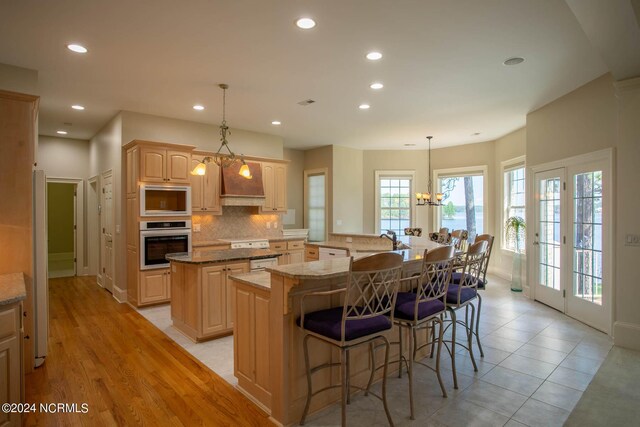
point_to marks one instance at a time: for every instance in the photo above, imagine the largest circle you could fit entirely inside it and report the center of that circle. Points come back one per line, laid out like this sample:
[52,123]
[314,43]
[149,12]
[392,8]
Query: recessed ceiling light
[305,23]
[374,56]
[276,123]
[364,106]
[77,48]
[198,107]
[77,107]
[61,132]
[376,86]
[513,61]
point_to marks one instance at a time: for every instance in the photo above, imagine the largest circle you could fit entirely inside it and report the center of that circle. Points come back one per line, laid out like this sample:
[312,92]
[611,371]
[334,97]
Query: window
[514,203]
[394,202]
[315,200]
[513,200]
[464,195]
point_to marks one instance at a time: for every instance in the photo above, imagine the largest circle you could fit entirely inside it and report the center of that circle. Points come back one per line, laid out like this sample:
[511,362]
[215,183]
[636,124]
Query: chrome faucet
[391,235]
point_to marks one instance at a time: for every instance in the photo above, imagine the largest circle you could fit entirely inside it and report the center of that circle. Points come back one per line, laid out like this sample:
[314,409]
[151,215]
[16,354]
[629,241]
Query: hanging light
[424,199]
[221,158]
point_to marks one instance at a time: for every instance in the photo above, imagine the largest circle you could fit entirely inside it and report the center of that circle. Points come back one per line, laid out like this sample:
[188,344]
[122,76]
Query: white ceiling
[442,65]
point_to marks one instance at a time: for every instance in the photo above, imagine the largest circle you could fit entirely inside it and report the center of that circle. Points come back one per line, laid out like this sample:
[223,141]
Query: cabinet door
[132,171]
[197,187]
[177,169]
[268,180]
[311,253]
[213,308]
[10,362]
[154,286]
[243,339]
[152,164]
[280,188]
[296,257]
[211,192]
[232,269]
[261,308]
[284,258]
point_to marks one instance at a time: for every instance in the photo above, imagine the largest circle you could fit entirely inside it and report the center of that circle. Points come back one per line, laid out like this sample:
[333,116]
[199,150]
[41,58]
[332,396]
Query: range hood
[235,190]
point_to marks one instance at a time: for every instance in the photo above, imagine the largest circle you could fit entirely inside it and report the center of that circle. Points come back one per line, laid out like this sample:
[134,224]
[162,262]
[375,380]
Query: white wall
[347,190]
[295,184]
[64,157]
[18,79]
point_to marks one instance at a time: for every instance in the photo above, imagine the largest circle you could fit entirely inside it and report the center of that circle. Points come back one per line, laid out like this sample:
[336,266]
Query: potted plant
[514,228]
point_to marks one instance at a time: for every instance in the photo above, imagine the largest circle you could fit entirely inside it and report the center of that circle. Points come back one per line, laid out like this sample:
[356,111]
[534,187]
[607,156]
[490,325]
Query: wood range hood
[236,190]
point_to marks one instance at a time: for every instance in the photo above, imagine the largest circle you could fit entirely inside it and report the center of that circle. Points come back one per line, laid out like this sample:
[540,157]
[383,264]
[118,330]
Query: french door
[572,241]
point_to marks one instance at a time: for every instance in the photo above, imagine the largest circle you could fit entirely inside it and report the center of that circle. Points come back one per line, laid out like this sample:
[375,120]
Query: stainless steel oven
[159,238]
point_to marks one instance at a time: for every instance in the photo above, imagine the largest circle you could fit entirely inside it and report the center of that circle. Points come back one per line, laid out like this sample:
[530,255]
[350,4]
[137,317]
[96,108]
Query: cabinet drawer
[295,245]
[330,253]
[278,246]
[9,321]
[211,248]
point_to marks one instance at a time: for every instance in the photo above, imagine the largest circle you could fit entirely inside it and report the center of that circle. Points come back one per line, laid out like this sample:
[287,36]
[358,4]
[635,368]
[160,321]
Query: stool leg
[470,336]
[372,353]
[412,345]
[348,377]
[401,352]
[433,337]
[440,337]
[384,381]
[453,347]
[343,385]
[478,326]
[308,369]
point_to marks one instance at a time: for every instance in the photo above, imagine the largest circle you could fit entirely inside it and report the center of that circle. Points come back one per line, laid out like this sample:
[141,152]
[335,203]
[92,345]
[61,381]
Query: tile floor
[537,364]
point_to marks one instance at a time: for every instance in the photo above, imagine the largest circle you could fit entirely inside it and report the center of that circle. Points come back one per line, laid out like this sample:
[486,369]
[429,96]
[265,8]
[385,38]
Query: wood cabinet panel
[274,176]
[230,291]
[197,187]
[10,361]
[154,286]
[311,253]
[152,164]
[133,170]
[177,167]
[261,311]
[205,190]
[296,257]
[213,299]
[243,336]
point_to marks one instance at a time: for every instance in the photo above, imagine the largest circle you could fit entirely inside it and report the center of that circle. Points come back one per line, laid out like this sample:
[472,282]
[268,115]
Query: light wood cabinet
[205,190]
[155,286]
[292,251]
[159,164]
[311,253]
[219,247]
[203,300]
[251,341]
[274,177]
[10,361]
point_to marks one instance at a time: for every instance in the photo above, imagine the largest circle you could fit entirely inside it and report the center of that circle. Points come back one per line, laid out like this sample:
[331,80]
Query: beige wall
[18,79]
[295,185]
[589,119]
[204,136]
[347,190]
[63,157]
[507,148]
[60,212]
[319,158]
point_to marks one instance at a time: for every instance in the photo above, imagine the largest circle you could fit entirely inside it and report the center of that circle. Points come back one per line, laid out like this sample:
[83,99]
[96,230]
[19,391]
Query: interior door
[107,231]
[549,238]
[589,284]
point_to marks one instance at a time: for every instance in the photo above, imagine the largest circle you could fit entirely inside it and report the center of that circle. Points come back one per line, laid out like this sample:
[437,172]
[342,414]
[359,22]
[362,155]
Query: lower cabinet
[292,251]
[202,302]
[10,361]
[155,286]
[251,342]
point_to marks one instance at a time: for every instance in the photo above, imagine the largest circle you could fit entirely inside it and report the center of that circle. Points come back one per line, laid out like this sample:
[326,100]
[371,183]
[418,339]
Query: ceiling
[442,66]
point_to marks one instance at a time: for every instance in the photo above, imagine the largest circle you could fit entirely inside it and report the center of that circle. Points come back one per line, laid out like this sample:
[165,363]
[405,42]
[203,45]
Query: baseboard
[626,335]
[120,294]
[60,273]
[60,256]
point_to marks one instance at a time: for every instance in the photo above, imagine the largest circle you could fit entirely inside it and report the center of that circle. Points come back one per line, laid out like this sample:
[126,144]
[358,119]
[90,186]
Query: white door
[572,241]
[548,243]
[107,231]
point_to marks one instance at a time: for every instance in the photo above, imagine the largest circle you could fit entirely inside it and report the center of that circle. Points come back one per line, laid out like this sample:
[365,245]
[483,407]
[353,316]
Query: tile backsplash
[237,222]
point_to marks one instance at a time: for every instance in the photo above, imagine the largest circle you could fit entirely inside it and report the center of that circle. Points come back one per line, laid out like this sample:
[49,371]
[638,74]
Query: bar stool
[366,313]
[461,295]
[423,308]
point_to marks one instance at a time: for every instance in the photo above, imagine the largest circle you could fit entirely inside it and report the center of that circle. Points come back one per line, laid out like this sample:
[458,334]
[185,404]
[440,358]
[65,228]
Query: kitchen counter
[222,242]
[416,245]
[258,279]
[12,288]
[223,255]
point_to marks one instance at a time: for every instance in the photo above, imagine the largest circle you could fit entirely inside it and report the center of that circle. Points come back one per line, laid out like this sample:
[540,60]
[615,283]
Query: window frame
[397,174]
[508,166]
[314,172]
[465,171]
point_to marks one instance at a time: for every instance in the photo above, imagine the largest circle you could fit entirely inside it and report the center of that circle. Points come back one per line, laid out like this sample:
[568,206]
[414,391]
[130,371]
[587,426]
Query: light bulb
[245,171]
[200,169]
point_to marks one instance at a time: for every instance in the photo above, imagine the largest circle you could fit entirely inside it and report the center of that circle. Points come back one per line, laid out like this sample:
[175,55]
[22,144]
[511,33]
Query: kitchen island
[268,356]
[202,298]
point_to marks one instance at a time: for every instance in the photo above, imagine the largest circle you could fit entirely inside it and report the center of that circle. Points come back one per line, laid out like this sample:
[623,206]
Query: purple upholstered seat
[406,303]
[457,276]
[329,322]
[465,295]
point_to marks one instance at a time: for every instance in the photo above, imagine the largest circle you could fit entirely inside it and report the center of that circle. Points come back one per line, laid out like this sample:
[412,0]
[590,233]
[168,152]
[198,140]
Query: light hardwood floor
[129,373]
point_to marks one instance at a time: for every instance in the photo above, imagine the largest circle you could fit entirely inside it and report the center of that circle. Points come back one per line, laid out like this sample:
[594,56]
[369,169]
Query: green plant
[449,210]
[515,227]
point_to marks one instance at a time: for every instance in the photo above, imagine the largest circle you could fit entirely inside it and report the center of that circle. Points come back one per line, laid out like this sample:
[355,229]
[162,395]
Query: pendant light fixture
[425,199]
[221,158]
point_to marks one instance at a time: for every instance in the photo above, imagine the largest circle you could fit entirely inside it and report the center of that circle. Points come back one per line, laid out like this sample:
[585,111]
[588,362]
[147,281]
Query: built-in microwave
[159,238]
[165,200]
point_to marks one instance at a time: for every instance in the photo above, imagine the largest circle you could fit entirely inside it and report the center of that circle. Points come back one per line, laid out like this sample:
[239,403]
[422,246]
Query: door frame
[81,267]
[103,175]
[607,155]
[93,227]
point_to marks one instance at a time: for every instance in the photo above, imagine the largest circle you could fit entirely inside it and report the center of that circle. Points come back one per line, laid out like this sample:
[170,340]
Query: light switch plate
[196,228]
[117,228]
[275,224]
[268,224]
[632,240]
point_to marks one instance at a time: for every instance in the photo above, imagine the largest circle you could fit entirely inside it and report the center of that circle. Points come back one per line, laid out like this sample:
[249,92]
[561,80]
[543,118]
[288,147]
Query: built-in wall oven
[159,238]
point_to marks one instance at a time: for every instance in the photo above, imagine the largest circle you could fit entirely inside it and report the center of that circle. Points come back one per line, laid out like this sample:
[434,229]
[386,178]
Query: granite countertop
[415,243]
[259,279]
[12,288]
[222,255]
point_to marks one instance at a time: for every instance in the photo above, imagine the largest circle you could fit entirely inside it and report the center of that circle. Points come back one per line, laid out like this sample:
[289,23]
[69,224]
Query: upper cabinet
[159,164]
[274,176]
[205,190]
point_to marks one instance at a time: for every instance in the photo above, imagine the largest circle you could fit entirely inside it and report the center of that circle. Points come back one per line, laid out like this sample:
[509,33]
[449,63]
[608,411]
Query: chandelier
[221,158]
[424,199]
